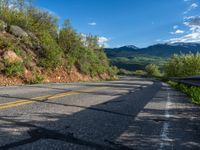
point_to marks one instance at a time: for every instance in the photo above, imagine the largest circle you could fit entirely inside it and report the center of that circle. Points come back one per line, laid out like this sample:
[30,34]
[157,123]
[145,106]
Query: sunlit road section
[129,114]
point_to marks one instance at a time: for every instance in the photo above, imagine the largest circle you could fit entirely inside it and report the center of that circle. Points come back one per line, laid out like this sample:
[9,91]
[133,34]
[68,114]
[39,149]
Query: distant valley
[133,58]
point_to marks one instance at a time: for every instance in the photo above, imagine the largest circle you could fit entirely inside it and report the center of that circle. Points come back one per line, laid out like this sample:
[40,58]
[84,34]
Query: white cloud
[193,23]
[192,37]
[92,23]
[178,31]
[103,41]
[83,38]
[194,5]
[175,27]
[191,7]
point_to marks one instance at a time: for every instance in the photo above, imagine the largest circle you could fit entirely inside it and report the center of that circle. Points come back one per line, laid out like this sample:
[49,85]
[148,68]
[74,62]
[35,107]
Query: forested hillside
[33,49]
[133,58]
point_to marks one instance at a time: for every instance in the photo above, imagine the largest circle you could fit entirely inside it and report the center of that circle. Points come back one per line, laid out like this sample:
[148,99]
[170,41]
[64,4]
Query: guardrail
[193,80]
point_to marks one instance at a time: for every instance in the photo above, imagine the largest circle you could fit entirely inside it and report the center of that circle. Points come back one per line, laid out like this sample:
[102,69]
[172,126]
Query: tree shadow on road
[105,121]
[99,126]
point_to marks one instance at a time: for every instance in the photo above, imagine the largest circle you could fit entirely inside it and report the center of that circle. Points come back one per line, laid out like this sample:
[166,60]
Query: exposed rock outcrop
[11,57]
[17,31]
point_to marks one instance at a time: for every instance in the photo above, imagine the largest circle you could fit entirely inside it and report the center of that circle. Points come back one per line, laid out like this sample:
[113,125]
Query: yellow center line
[46,97]
[17,104]
[18,101]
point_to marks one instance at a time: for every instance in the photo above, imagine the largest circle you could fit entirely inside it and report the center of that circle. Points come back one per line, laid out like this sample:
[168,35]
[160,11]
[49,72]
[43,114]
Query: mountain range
[131,57]
[159,50]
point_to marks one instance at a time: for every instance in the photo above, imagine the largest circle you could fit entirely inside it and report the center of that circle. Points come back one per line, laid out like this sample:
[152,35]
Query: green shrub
[69,40]
[86,61]
[52,54]
[124,72]
[191,91]
[18,51]
[139,73]
[152,70]
[6,42]
[13,17]
[38,78]
[113,71]
[127,72]
[183,65]
[58,47]
[2,25]
[29,18]
[14,69]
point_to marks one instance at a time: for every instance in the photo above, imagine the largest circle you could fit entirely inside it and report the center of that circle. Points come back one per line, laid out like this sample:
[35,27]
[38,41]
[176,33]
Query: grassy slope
[191,91]
[137,62]
[133,59]
[33,50]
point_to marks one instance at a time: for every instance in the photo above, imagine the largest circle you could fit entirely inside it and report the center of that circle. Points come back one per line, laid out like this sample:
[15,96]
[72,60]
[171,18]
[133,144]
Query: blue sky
[130,22]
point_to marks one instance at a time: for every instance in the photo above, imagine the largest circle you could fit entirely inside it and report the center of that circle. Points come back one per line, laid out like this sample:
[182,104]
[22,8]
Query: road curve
[130,114]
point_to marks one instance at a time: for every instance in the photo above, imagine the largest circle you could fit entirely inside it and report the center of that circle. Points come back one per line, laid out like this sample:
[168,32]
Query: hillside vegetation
[137,62]
[33,49]
[183,65]
[178,65]
[132,58]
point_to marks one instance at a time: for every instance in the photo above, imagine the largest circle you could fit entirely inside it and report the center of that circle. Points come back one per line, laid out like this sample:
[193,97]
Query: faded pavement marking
[165,140]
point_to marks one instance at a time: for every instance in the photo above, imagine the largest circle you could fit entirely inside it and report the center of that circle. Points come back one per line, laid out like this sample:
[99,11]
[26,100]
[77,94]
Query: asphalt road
[129,114]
